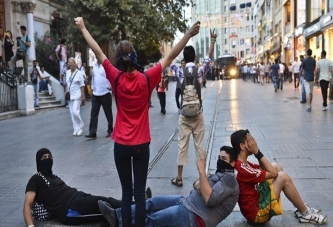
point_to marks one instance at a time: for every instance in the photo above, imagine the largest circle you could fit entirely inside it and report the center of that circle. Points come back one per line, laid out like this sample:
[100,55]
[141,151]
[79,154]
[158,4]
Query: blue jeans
[303,89]
[275,80]
[124,156]
[164,211]
[36,94]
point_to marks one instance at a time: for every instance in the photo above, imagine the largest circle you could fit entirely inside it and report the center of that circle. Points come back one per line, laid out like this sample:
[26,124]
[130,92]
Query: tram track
[210,139]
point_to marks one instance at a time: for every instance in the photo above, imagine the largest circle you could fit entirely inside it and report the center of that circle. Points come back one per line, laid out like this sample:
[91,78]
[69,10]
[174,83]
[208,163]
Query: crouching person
[210,201]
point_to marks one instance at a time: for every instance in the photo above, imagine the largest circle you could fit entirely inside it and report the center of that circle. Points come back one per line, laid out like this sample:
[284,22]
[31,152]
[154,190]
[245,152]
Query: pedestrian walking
[162,87]
[101,96]
[323,77]
[61,54]
[282,69]
[308,66]
[132,89]
[267,71]
[301,78]
[75,87]
[295,71]
[275,78]
[261,72]
[191,120]
[178,87]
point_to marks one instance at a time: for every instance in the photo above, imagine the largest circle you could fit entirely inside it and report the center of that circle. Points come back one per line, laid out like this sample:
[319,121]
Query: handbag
[20,54]
[68,94]
[38,210]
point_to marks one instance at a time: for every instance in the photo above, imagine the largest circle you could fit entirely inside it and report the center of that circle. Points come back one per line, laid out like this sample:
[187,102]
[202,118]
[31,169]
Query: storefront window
[315,44]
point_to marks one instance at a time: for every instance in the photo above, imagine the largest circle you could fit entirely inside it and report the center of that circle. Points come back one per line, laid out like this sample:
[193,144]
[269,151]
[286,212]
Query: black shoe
[108,135]
[108,212]
[149,194]
[303,101]
[91,136]
[163,112]
[275,89]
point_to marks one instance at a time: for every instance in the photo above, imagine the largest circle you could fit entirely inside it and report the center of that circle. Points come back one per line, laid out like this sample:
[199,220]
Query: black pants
[127,157]
[86,204]
[161,96]
[324,87]
[106,102]
[178,92]
[296,78]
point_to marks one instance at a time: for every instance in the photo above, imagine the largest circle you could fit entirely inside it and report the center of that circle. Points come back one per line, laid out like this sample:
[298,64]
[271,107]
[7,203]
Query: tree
[145,23]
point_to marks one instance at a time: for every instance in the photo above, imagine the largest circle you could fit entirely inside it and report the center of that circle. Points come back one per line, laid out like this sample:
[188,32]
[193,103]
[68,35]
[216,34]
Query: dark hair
[323,53]
[34,61]
[237,138]
[309,52]
[276,61]
[230,151]
[189,54]
[62,41]
[23,27]
[124,64]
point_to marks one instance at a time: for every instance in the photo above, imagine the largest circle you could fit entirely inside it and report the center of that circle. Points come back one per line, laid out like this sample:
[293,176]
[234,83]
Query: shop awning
[242,5]
[248,4]
[232,8]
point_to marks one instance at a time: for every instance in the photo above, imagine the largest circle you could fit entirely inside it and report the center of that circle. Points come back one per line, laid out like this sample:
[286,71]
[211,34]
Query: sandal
[177,182]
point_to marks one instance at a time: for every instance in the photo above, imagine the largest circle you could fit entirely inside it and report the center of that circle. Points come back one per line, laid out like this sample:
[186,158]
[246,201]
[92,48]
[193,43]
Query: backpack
[191,93]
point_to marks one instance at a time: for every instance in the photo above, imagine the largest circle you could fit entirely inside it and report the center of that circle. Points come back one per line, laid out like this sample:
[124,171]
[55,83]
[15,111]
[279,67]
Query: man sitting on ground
[260,185]
[66,204]
[210,202]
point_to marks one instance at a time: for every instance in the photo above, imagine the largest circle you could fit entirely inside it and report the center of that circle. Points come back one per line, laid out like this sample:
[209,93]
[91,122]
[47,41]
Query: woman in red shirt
[131,133]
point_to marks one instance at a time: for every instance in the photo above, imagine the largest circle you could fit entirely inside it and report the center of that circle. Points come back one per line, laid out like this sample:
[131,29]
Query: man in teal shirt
[23,43]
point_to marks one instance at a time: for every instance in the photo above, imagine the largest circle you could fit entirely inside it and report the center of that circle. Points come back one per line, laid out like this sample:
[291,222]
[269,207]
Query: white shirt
[99,83]
[281,68]
[324,66]
[44,75]
[296,67]
[74,83]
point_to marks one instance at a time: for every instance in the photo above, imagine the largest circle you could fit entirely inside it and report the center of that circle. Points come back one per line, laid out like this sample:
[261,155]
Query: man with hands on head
[210,201]
[261,185]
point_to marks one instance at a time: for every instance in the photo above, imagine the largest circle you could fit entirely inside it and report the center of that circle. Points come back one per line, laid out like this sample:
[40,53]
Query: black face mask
[223,165]
[46,166]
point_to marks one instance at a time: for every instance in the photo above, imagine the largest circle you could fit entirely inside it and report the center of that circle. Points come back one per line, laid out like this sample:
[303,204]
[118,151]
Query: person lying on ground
[47,196]
[210,202]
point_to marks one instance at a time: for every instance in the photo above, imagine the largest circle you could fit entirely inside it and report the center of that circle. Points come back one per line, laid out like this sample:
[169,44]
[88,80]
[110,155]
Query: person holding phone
[8,47]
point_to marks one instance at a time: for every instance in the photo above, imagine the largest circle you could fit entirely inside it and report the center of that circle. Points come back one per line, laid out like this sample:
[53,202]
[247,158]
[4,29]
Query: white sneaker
[324,108]
[313,218]
[74,133]
[79,133]
[313,210]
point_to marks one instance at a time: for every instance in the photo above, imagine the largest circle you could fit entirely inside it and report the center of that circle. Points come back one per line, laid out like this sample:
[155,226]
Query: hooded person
[60,201]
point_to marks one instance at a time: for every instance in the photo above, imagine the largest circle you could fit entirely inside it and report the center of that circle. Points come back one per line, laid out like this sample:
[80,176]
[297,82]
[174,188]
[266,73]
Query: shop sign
[260,49]
[326,20]
[298,31]
[312,29]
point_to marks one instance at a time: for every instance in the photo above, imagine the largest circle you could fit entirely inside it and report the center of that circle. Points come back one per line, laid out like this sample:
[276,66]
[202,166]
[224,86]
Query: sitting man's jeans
[164,211]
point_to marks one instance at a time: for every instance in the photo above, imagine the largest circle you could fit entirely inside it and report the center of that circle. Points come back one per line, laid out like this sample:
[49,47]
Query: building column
[29,8]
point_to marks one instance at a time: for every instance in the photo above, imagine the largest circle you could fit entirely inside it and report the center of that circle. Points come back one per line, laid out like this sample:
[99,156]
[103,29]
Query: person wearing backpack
[22,53]
[191,119]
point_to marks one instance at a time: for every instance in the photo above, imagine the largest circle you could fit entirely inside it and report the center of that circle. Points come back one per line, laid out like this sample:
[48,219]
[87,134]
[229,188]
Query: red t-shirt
[132,121]
[248,176]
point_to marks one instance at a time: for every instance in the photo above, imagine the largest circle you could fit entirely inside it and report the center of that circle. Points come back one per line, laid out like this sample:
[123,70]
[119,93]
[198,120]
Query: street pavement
[300,141]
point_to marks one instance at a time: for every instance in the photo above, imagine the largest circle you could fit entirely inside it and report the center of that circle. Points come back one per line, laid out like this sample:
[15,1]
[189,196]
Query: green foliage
[145,23]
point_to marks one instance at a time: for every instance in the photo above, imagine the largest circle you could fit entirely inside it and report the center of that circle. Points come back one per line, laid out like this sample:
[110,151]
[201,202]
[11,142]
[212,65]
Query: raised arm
[29,199]
[213,37]
[205,189]
[90,40]
[180,45]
